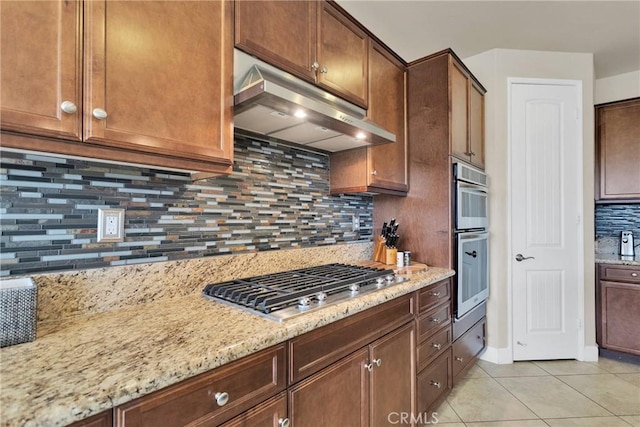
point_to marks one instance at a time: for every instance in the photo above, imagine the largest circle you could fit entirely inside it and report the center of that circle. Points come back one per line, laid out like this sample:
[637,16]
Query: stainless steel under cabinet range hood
[276,104]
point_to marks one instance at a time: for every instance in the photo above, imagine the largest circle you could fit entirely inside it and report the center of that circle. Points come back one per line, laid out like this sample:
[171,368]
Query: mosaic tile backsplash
[610,221]
[277,197]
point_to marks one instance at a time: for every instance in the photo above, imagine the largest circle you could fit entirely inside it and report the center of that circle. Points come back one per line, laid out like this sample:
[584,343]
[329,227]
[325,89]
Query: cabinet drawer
[432,320]
[432,346]
[433,295]
[434,382]
[468,346]
[317,349]
[247,382]
[620,273]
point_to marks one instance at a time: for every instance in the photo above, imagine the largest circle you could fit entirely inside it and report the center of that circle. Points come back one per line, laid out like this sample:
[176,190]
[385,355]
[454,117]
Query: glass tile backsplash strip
[277,197]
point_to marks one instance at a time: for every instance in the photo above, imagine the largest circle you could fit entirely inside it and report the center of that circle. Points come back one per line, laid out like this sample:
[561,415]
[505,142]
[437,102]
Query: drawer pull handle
[460,359]
[368,366]
[283,422]
[377,362]
[438,346]
[634,274]
[434,294]
[222,398]
[435,384]
[435,320]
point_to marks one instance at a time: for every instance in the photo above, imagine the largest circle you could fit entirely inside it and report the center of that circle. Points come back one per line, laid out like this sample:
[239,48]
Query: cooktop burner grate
[301,289]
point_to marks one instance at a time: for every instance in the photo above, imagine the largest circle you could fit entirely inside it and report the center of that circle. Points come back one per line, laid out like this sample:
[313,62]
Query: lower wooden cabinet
[358,371]
[434,383]
[467,347]
[362,389]
[618,298]
[272,413]
[213,397]
[335,396]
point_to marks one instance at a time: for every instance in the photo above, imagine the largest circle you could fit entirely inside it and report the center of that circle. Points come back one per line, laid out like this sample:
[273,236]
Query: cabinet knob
[435,320]
[324,70]
[99,114]
[283,422]
[368,366]
[435,383]
[634,274]
[434,294]
[437,346]
[377,362]
[315,66]
[374,173]
[460,359]
[68,107]
[222,398]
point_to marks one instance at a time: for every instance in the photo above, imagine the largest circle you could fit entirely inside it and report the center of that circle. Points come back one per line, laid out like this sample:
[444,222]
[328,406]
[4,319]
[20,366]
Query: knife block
[379,250]
[390,256]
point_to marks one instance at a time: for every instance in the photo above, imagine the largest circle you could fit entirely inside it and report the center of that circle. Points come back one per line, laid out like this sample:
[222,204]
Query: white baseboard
[500,356]
[588,353]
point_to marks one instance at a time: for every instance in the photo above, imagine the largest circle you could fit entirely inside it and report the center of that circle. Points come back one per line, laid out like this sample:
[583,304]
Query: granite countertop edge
[616,259]
[83,366]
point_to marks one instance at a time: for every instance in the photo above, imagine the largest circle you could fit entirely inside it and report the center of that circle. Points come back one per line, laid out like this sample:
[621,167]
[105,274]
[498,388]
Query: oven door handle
[472,254]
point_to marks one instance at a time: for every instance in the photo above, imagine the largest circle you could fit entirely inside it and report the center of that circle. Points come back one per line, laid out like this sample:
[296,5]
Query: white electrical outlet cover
[110,225]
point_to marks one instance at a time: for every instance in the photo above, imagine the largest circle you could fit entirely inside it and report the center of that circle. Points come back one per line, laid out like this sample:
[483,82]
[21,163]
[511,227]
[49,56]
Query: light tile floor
[562,393]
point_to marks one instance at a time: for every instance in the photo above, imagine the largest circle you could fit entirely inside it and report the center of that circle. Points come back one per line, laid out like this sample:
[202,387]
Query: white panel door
[546,188]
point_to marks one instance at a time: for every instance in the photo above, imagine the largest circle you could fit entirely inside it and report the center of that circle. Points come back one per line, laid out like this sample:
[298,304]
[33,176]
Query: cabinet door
[618,144]
[41,67]
[336,396]
[342,55]
[272,413]
[282,33]
[162,74]
[459,108]
[383,168]
[393,375]
[620,316]
[388,162]
[476,125]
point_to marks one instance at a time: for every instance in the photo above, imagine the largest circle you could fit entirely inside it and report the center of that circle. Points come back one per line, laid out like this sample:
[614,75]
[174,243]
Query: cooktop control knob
[354,288]
[321,296]
[390,278]
[379,281]
[304,302]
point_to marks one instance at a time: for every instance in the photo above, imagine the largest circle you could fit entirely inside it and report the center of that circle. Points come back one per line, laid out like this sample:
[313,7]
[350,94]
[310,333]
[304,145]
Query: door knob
[519,257]
[473,254]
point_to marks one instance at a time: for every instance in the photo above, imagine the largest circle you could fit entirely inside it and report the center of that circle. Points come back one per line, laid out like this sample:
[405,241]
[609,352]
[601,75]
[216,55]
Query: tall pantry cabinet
[445,122]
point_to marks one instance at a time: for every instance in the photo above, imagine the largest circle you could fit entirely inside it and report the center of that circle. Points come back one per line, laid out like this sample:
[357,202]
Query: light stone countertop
[87,364]
[617,259]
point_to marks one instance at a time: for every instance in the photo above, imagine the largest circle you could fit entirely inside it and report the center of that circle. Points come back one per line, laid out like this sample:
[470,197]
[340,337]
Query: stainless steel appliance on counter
[281,296]
[626,244]
[471,238]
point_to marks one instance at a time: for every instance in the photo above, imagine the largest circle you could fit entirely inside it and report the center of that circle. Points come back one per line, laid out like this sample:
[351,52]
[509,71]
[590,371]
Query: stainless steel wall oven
[471,238]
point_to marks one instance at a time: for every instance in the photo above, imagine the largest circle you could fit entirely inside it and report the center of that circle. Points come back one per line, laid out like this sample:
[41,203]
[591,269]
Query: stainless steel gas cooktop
[281,296]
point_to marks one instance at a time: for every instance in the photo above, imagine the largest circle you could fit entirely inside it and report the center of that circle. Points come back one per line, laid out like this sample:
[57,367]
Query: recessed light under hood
[273,103]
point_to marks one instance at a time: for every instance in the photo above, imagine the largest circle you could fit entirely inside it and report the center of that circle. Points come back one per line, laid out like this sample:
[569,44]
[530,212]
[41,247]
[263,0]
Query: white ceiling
[413,29]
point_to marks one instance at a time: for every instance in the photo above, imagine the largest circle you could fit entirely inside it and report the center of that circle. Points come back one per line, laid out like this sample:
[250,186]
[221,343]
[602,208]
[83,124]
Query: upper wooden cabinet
[466,104]
[313,40]
[282,33]
[157,80]
[41,67]
[618,151]
[383,168]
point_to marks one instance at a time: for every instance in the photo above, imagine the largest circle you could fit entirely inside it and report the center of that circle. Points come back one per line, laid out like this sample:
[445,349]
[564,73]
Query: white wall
[617,88]
[493,68]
